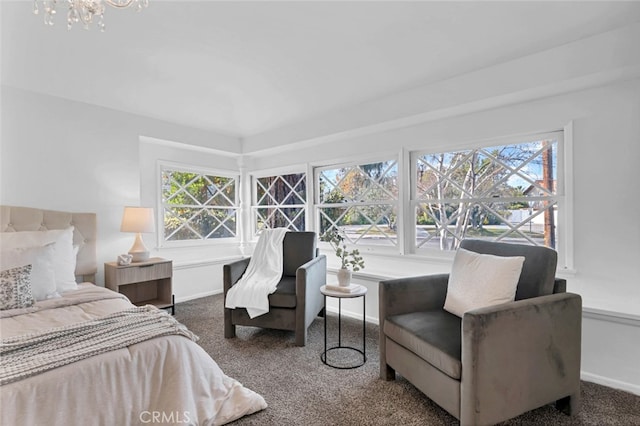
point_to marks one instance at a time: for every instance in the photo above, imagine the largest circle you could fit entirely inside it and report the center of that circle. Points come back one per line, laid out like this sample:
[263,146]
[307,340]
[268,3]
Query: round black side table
[361,292]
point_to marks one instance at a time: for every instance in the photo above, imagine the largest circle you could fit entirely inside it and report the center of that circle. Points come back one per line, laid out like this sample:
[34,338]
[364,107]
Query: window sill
[197,244]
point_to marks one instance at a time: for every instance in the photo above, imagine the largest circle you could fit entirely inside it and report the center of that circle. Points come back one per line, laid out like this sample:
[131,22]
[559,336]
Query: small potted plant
[351,261]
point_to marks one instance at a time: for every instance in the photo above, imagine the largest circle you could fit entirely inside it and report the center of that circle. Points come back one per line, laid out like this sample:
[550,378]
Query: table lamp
[138,220]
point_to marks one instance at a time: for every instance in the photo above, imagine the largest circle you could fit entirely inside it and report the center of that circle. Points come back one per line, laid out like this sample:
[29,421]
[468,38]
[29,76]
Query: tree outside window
[198,206]
[360,201]
[498,193]
[280,202]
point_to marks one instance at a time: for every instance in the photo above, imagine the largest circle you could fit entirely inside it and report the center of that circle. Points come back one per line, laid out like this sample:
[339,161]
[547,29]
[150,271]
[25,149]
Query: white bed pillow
[64,259]
[479,280]
[15,288]
[43,282]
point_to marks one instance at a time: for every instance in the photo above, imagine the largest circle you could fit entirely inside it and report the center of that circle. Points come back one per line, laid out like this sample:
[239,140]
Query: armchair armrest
[405,295]
[232,272]
[520,355]
[311,276]
[309,301]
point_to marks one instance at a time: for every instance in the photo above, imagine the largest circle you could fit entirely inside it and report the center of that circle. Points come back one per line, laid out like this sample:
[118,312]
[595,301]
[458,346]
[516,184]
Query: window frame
[564,185]
[397,203]
[179,167]
[254,176]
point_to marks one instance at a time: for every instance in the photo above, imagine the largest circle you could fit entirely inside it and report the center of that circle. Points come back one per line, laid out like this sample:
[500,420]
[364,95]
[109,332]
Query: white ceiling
[243,68]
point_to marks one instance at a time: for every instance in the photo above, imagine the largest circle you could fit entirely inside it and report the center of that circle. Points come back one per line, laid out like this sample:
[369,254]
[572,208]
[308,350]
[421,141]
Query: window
[280,202]
[360,201]
[505,192]
[198,206]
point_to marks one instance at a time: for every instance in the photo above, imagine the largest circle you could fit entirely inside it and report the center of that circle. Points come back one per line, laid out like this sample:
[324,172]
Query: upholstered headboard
[13,219]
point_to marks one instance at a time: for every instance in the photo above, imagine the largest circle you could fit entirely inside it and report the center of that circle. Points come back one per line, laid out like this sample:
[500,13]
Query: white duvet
[166,380]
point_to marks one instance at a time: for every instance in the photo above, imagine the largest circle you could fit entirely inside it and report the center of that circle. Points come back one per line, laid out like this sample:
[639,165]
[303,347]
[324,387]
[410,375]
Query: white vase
[344,277]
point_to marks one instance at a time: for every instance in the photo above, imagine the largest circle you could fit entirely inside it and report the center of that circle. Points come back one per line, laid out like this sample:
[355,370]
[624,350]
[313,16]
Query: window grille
[360,201]
[198,206]
[280,202]
[500,193]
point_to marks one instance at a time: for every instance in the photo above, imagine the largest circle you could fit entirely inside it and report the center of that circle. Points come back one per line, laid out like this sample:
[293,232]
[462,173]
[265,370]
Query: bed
[166,379]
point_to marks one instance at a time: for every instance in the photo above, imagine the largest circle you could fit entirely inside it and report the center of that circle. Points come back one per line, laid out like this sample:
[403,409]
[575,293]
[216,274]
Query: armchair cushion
[479,280]
[285,294]
[434,336]
[298,249]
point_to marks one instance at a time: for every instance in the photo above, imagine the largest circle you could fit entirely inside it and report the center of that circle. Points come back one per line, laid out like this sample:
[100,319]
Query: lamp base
[139,256]
[138,251]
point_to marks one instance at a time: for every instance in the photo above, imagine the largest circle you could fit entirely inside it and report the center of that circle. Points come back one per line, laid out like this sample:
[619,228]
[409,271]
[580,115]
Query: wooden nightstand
[144,283]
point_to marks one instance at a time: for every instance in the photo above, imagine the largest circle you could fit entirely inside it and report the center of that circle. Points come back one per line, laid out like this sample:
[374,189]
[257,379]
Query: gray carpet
[301,390]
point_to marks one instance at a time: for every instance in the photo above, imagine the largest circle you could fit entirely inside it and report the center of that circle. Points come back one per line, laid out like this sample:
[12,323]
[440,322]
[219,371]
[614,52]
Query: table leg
[364,328]
[325,329]
[339,322]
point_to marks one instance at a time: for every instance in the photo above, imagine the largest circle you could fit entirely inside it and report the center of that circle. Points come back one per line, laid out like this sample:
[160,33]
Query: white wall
[64,155]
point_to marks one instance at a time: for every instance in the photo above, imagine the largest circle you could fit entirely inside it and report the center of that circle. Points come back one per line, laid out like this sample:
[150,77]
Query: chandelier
[85,11]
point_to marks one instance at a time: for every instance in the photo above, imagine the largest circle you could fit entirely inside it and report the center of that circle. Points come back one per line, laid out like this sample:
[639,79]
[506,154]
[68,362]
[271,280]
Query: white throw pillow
[479,280]
[43,282]
[64,260]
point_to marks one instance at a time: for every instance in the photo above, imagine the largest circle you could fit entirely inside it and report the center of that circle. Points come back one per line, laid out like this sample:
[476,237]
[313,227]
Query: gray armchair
[297,300]
[496,362]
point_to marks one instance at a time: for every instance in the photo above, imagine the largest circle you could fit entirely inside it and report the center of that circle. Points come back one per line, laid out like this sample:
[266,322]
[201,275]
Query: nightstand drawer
[146,283]
[140,273]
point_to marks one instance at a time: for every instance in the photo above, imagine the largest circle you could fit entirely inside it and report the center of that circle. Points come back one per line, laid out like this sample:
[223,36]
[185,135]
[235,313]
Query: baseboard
[612,383]
[354,315]
[204,262]
[197,296]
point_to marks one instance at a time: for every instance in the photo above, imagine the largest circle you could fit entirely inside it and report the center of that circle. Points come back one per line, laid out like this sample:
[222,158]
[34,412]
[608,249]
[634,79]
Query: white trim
[405,235]
[310,218]
[611,316]
[191,264]
[362,275]
[355,160]
[353,315]
[276,171]
[189,147]
[515,138]
[567,230]
[197,296]
[184,167]
[606,381]
[244,204]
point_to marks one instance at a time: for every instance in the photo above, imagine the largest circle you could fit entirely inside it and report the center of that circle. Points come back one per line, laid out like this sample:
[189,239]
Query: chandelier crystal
[85,11]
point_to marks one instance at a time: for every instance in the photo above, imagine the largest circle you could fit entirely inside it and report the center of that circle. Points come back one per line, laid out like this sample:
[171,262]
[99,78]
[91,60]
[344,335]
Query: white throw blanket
[261,277]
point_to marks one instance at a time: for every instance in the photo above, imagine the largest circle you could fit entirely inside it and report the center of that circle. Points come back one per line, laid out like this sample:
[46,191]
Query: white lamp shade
[137,219]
